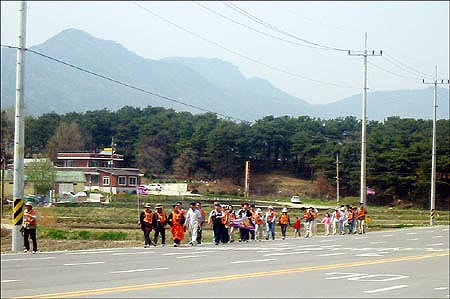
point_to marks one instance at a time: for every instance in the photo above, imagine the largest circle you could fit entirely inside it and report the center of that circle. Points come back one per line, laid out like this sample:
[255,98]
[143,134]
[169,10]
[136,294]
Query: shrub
[57,234]
[110,235]
[84,234]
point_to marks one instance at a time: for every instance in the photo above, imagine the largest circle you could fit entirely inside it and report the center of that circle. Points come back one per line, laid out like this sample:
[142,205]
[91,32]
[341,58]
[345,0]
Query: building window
[94,179]
[106,181]
[94,164]
[106,164]
[69,163]
[122,180]
[132,181]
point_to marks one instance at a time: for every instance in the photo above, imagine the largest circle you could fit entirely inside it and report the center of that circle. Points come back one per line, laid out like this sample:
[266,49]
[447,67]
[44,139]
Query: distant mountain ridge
[212,84]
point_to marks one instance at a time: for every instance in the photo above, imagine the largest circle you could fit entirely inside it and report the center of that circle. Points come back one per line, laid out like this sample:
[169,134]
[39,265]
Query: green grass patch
[57,234]
[111,235]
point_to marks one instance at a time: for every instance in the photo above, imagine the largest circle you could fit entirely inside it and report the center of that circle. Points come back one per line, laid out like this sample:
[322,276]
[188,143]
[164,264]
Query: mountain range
[211,84]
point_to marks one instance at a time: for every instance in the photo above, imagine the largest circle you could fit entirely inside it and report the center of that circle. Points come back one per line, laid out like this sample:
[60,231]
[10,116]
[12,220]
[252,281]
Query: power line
[390,72]
[404,67]
[270,26]
[256,30]
[122,83]
[244,56]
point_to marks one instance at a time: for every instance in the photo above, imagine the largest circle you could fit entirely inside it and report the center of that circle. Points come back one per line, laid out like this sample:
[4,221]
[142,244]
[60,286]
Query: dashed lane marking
[285,253]
[88,263]
[9,280]
[91,252]
[138,270]
[331,254]
[441,288]
[29,259]
[253,261]
[386,289]
[413,239]
[132,253]
[190,256]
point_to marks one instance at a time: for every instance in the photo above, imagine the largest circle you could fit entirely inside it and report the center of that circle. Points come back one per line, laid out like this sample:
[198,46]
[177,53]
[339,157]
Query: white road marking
[263,251]
[331,254]
[29,259]
[441,288]
[91,252]
[445,230]
[132,253]
[90,263]
[378,242]
[9,280]
[204,251]
[436,244]
[368,254]
[360,238]
[388,277]
[386,289]
[252,261]
[345,275]
[284,253]
[434,237]
[138,270]
[327,240]
[411,233]
[387,235]
[414,239]
[190,256]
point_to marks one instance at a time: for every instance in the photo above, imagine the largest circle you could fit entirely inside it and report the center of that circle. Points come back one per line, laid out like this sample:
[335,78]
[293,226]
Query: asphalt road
[403,263]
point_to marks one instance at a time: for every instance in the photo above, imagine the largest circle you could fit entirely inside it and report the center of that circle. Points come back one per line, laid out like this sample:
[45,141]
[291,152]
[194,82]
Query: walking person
[29,225]
[326,220]
[361,216]
[159,222]
[307,216]
[215,220]
[297,227]
[145,220]
[335,220]
[245,215]
[201,222]
[176,221]
[350,219]
[193,218]
[259,224]
[232,215]
[270,219]
[342,220]
[284,222]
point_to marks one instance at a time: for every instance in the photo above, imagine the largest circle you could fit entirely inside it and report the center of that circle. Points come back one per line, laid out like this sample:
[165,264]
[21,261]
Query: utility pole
[433,151]
[337,180]
[365,53]
[247,179]
[19,137]
[112,167]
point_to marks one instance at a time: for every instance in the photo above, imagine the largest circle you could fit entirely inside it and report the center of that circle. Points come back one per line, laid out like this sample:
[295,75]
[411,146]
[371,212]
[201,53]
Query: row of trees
[161,141]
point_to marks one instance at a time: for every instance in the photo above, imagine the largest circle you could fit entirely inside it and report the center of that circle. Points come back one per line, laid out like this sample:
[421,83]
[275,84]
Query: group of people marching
[249,222]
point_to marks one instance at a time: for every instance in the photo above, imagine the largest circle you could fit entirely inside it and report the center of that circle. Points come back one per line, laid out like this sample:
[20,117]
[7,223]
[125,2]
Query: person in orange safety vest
[145,220]
[29,225]
[176,221]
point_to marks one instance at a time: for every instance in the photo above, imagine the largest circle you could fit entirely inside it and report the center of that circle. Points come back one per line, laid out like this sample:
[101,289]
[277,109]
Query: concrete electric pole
[19,137]
[364,53]
[433,151]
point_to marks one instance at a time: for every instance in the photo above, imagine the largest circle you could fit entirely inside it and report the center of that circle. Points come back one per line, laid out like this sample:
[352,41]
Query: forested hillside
[202,146]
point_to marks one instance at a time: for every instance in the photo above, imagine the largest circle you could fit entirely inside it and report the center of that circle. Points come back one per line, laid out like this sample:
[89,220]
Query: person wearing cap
[145,220]
[270,218]
[361,216]
[284,222]
[29,225]
[159,222]
[259,224]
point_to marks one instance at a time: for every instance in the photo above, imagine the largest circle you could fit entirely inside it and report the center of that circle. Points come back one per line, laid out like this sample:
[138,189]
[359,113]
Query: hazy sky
[414,37]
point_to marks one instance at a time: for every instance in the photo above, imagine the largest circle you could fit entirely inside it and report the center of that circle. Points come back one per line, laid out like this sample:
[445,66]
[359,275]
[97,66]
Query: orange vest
[306,214]
[313,214]
[350,215]
[284,218]
[148,217]
[203,213]
[338,215]
[270,216]
[259,219]
[162,217]
[225,218]
[29,217]
[361,213]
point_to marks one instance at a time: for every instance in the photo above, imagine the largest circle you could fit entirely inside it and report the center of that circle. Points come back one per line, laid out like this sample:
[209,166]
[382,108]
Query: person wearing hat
[159,222]
[270,222]
[284,222]
[259,224]
[29,227]
[145,220]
